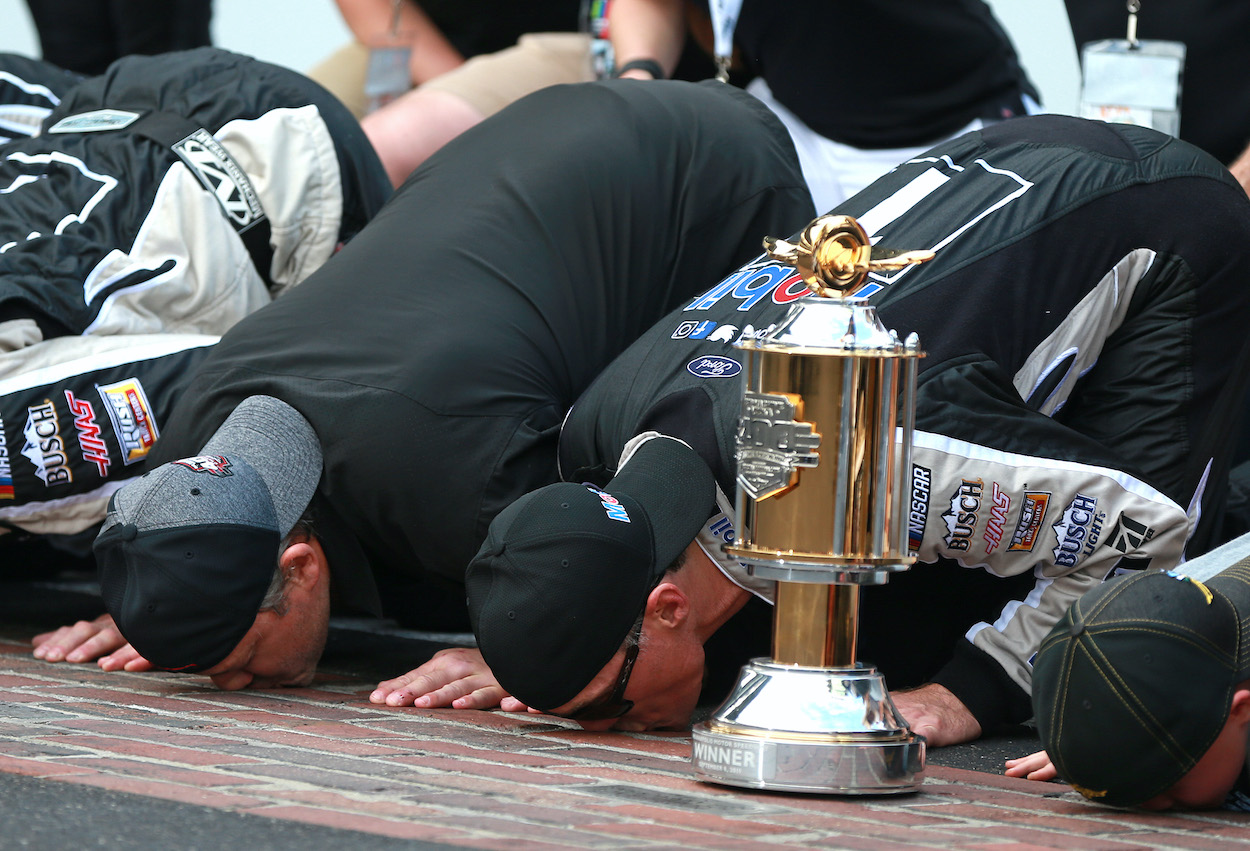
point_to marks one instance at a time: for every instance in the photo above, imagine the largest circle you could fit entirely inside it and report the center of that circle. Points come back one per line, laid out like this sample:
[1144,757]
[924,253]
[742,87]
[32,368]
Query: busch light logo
[711,366]
[1077,530]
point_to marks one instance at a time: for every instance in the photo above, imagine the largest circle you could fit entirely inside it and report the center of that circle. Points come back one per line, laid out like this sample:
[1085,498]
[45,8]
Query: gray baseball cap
[188,550]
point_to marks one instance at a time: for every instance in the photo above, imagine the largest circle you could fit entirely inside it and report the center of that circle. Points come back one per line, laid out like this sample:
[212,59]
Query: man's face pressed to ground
[283,646]
[664,684]
[1208,783]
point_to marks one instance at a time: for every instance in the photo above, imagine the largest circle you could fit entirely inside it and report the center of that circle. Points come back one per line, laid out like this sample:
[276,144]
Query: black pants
[87,36]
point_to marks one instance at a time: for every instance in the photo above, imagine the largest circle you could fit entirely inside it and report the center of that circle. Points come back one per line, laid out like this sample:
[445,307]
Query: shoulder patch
[95,121]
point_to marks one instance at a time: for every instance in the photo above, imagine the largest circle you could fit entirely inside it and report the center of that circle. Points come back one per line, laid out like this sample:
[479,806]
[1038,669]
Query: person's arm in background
[372,21]
[647,30]
[1241,169]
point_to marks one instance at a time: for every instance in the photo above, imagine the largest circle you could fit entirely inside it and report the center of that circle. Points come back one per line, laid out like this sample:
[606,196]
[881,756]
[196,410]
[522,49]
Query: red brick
[149,733]
[496,771]
[147,750]
[327,800]
[158,771]
[981,837]
[419,748]
[483,843]
[167,791]
[523,831]
[39,768]
[305,737]
[364,823]
[710,822]
[628,759]
[678,836]
[274,702]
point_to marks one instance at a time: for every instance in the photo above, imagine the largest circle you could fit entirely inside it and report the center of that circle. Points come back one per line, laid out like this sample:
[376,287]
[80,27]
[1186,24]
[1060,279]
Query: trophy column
[824,459]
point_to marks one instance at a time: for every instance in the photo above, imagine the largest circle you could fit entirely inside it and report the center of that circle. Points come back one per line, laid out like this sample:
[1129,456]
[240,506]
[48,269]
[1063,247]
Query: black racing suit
[436,355]
[1084,322]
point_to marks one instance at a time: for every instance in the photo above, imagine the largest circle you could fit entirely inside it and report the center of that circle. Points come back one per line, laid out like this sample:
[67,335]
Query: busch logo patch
[94,450]
[6,471]
[1077,530]
[921,481]
[1129,535]
[1000,505]
[221,175]
[610,504]
[133,423]
[961,519]
[711,366]
[772,444]
[44,446]
[214,465]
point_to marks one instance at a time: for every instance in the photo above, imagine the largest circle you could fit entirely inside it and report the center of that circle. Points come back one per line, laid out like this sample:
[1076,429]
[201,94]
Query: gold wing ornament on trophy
[834,255]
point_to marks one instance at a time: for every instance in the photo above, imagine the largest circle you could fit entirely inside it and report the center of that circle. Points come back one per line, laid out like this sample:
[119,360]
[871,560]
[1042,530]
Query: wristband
[649,65]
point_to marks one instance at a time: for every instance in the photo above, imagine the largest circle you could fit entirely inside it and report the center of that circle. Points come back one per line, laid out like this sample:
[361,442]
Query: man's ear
[1240,710]
[669,604]
[303,562]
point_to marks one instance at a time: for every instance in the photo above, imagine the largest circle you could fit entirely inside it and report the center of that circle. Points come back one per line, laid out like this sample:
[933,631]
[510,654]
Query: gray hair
[275,595]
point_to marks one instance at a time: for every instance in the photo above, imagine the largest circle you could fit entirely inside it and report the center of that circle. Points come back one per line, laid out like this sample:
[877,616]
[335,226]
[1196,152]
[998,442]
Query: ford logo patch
[711,366]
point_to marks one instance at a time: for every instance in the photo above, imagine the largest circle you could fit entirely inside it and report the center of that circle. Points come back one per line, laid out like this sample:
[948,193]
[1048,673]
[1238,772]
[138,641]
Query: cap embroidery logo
[610,504]
[214,465]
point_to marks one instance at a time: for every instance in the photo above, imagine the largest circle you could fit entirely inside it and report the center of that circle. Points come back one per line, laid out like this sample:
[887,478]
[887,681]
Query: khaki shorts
[488,82]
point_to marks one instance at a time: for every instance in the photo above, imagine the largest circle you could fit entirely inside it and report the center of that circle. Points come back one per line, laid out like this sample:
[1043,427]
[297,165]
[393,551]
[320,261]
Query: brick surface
[324,755]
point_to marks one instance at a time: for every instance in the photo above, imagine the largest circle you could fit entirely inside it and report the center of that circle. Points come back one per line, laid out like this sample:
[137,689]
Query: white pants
[834,171]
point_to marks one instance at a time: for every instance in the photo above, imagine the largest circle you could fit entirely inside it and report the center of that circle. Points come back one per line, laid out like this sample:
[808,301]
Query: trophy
[824,466]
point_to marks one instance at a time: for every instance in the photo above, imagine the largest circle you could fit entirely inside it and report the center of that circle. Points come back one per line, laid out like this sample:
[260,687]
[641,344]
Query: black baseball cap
[566,570]
[188,550]
[1135,681]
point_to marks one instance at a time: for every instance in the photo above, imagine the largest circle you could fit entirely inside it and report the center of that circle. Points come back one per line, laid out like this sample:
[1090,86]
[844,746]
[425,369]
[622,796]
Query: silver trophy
[824,465]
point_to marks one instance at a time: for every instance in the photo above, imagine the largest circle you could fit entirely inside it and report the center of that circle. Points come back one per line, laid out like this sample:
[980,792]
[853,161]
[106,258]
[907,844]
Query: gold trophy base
[800,729]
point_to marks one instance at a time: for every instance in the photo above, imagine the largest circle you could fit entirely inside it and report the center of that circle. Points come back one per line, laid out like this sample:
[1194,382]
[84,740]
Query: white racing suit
[143,214]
